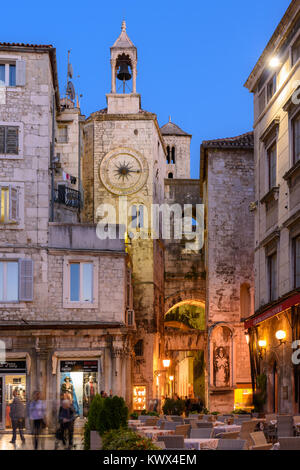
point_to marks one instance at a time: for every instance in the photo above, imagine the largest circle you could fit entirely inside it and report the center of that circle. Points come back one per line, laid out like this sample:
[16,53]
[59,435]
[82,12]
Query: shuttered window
[9,204]
[296,51]
[9,281]
[9,140]
[272,272]
[296,138]
[25,279]
[272,165]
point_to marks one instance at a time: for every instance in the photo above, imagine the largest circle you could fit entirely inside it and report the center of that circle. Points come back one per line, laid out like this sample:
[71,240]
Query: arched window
[170,175]
[245,300]
[139,348]
[168,155]
[173,155]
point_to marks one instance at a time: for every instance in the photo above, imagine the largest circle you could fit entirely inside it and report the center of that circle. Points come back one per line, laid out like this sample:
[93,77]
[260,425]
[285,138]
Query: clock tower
[124,166]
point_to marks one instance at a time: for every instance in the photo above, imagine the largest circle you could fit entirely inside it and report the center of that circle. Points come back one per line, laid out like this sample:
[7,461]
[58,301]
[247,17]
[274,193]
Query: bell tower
[123,60]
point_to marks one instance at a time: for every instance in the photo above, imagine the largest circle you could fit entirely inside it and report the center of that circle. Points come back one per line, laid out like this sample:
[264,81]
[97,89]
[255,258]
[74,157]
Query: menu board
[16,367]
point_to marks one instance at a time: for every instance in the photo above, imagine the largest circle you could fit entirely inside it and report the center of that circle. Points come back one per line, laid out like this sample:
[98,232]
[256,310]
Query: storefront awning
[281,307]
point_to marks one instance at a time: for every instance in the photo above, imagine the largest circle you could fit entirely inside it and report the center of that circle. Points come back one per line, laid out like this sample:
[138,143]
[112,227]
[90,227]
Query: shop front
[78,381]
[12,377]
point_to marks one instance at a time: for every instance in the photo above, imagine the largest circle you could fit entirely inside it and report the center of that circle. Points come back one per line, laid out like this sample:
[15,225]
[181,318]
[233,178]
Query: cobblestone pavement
[46,443]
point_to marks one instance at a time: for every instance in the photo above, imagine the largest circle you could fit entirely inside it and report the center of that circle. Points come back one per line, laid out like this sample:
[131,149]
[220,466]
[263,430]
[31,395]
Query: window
[296,260]
[9,275]
[9,204]
[296,51]
[245,300]
[296,138]
[9,140]
[139,348]
[16,280]
[272,274]
[271,88]
[168,155]
[272,165]
[173,155]
[261,102]
[8,74]
[137,219]
[81,282]
[62,134]
[170,175]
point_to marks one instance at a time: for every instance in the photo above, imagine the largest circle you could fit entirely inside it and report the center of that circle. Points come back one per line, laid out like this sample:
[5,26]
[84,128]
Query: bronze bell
[124,73]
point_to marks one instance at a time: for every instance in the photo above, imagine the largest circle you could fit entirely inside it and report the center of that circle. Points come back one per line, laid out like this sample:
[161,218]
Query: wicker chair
[168,425]
[297,428]
[289,443]
[285,426]
[246,429]
[202,433]
[205,424]
[177,419]
[259,441]
[151,421]
[183,429]
[172,442]
[231,444]
[229,435]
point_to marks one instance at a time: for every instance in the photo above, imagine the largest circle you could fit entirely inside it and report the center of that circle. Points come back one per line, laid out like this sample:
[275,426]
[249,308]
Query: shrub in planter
[125,439]
[173,407]
[105,414]
[215,413]
[134,415]
[149,413]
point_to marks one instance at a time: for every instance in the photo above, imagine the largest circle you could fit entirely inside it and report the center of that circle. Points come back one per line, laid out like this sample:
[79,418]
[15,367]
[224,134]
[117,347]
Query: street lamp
[281,336]
[262,343]
[166,362]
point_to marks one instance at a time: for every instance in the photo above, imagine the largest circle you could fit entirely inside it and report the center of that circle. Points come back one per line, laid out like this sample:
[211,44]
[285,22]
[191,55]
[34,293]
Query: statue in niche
[221,366]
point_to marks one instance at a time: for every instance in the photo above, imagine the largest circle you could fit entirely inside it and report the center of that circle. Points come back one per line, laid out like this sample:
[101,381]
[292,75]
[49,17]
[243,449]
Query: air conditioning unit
[130,318]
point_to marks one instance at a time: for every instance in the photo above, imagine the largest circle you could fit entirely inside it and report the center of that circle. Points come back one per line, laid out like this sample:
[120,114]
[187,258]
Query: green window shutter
[13,205]
[20,73]
[12,140]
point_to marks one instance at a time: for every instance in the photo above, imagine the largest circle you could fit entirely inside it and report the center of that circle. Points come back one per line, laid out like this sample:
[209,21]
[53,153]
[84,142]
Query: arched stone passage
[184,296]
[186,315]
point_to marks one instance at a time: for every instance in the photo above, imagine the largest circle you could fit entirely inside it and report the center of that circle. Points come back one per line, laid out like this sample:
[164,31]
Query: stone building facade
[273,82]
[227,188]
[63,290]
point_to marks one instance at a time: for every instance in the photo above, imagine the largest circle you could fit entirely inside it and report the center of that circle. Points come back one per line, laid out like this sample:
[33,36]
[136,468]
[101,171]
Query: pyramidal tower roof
[172,129]
[123,40]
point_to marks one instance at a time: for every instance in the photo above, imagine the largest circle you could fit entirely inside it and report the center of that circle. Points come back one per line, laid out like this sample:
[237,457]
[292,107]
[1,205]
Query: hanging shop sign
[78,366]
[16,367]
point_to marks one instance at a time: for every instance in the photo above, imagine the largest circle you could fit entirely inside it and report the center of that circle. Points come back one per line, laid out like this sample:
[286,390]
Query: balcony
[67,196]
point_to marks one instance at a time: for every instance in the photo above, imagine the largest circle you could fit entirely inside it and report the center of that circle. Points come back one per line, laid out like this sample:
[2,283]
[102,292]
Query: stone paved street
[46,443]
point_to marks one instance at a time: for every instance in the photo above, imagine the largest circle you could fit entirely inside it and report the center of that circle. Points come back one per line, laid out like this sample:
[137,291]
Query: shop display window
[139,398]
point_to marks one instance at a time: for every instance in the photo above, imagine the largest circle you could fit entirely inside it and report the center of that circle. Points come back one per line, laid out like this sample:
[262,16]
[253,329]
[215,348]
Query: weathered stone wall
[229,257]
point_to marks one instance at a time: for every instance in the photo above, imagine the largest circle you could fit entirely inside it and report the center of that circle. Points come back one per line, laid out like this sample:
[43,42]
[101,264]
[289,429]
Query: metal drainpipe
[52,159]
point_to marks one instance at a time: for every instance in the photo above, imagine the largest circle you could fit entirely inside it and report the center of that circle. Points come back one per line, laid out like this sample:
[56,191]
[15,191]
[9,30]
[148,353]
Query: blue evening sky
[194,56]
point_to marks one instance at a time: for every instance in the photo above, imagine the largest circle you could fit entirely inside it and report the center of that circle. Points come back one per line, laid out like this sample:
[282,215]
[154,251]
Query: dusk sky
[193,57]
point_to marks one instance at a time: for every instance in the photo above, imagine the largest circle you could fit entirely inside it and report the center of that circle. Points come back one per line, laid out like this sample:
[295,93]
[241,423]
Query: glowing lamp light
[166,362]
[274,62]
[262,343]
[247,338]
[280,335]
[171,378]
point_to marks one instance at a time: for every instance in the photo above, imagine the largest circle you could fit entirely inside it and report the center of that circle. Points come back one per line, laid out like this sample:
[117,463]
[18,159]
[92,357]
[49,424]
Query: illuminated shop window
[243,399]
[139,397]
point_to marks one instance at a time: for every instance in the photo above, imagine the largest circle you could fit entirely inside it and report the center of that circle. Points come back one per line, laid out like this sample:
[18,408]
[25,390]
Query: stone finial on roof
[123,40]
[123,28]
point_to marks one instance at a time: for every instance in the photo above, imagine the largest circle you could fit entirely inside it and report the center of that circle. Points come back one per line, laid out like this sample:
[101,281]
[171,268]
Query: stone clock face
[123,171]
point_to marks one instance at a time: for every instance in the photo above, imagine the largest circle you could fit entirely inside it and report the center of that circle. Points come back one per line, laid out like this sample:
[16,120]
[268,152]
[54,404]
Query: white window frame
[19,223]
[8,60]
[5,301]
[67,303]
[20,126]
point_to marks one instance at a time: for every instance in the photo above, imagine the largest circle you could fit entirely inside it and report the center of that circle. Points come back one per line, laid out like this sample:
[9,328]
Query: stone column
[116,371]
[134,73]
[113,76]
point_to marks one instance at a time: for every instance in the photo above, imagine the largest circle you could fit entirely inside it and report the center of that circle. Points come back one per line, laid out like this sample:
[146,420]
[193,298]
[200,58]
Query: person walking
[37,414]
[66,418]
[17,416]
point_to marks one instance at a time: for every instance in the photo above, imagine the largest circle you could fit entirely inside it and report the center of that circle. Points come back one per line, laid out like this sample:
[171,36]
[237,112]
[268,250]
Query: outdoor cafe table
[154,433]
[226,428]
[198,444]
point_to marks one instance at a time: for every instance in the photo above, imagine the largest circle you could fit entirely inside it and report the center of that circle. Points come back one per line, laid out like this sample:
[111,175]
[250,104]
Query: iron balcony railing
[67,196]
